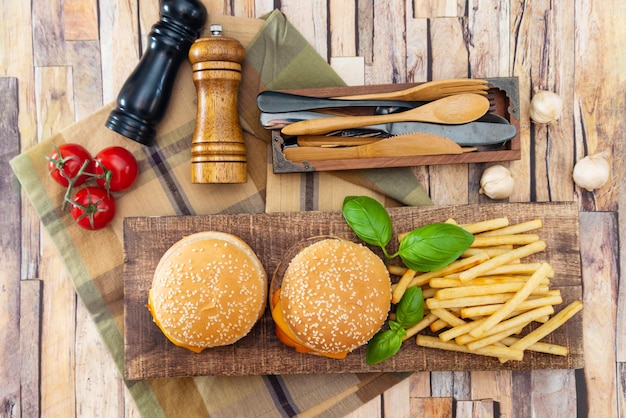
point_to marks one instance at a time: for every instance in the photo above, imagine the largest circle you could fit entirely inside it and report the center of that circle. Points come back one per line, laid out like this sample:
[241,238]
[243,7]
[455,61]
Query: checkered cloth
[278,57]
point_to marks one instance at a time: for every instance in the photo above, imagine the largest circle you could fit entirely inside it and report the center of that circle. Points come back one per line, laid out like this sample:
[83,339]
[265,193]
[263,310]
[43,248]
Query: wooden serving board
[148,354]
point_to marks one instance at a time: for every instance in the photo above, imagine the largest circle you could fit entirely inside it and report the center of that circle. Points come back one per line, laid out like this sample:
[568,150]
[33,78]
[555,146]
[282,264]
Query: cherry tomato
[118,168]
[66,161]
[93,207]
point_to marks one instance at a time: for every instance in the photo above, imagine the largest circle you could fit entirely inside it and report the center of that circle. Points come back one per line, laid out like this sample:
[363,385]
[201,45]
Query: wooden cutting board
[149,355]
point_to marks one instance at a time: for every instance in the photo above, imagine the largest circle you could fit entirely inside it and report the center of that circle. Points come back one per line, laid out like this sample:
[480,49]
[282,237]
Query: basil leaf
[368,219]
[384,344]
[410,309]
[433,246]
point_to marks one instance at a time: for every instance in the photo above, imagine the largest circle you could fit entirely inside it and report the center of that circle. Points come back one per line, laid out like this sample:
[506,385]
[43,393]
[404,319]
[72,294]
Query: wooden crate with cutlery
[393,125]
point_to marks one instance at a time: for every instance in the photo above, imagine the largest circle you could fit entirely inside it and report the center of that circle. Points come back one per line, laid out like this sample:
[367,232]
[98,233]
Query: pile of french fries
[483,301]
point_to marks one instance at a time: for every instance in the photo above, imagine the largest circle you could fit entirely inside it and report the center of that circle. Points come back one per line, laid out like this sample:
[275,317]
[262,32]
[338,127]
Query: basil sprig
[368,219]
[409,311]
[423,249]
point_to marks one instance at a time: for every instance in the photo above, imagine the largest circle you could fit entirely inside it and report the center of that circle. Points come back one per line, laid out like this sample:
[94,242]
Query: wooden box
[503,92]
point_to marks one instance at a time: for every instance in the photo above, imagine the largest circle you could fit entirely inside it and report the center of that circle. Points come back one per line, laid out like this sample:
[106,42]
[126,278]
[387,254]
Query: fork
[429,91]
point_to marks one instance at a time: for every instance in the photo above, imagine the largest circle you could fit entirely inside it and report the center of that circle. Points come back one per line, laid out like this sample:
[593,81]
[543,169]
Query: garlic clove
[545,107]
[497,182]
[592,171]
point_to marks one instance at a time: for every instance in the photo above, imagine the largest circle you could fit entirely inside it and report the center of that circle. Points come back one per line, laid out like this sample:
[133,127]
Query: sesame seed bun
[335,295]
[208,290]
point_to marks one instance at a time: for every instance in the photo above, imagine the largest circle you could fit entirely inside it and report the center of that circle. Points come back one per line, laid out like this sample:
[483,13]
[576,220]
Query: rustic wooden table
[63,60]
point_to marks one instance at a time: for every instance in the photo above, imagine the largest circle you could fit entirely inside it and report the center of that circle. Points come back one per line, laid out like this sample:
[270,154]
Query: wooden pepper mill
[218,150]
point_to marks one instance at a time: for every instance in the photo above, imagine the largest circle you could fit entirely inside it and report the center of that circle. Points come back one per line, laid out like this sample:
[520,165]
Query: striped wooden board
[149,355]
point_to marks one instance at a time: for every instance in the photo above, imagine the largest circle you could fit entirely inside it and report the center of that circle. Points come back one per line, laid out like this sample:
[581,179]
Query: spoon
[457,109]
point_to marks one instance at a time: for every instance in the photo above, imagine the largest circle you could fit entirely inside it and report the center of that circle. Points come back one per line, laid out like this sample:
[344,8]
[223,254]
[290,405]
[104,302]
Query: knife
[412,144]
[490,129]
[275,101]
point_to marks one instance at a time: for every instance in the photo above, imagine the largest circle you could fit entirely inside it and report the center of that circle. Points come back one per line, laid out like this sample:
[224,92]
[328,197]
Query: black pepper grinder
[143,99]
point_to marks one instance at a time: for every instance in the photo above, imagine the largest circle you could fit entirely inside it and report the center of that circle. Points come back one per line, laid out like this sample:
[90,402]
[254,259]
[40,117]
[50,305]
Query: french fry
[512,304]
[502,259]
[539,347]
[550,299]
[438,325]
[433,303]
[518,268]
[448,317]
[492,351]
[423,324]
[488,225]
[492,241]
[490,339]
[555,322]
[514,229]
[444,282]
[489,251]
[396,270]
[402,285]
[489,289]
[511,325]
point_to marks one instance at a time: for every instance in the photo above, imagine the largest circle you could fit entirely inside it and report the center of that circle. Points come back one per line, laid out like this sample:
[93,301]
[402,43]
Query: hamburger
[331,298]
[208,290]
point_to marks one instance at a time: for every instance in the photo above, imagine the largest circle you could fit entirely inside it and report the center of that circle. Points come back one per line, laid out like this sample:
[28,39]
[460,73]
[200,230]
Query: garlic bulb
[592,172]
[545,107]
[496,182]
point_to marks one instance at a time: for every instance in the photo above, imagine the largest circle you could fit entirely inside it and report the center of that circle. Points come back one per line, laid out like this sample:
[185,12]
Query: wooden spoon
[460,108]
[428,91]
[396,146]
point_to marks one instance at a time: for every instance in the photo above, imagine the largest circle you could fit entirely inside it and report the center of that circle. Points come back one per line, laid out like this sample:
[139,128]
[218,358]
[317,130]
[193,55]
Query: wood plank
[553,394]
[84,58]
[396,400]
[17,35]
[147,238]
[342,28]
[58,396]
[30,347]
[388,45]
[419,385]
[520,401]
[435,407]
[80,20]
[519,55]
[553,71]
[10,256]
[439,8]
[496,385]
[119,45]
[476,409]
[48,37]
[600,276]
[448,183]
[311,20]
[99,389]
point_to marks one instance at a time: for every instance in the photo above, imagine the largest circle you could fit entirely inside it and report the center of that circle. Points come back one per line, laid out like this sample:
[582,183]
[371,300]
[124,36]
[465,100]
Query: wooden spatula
[396,146]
